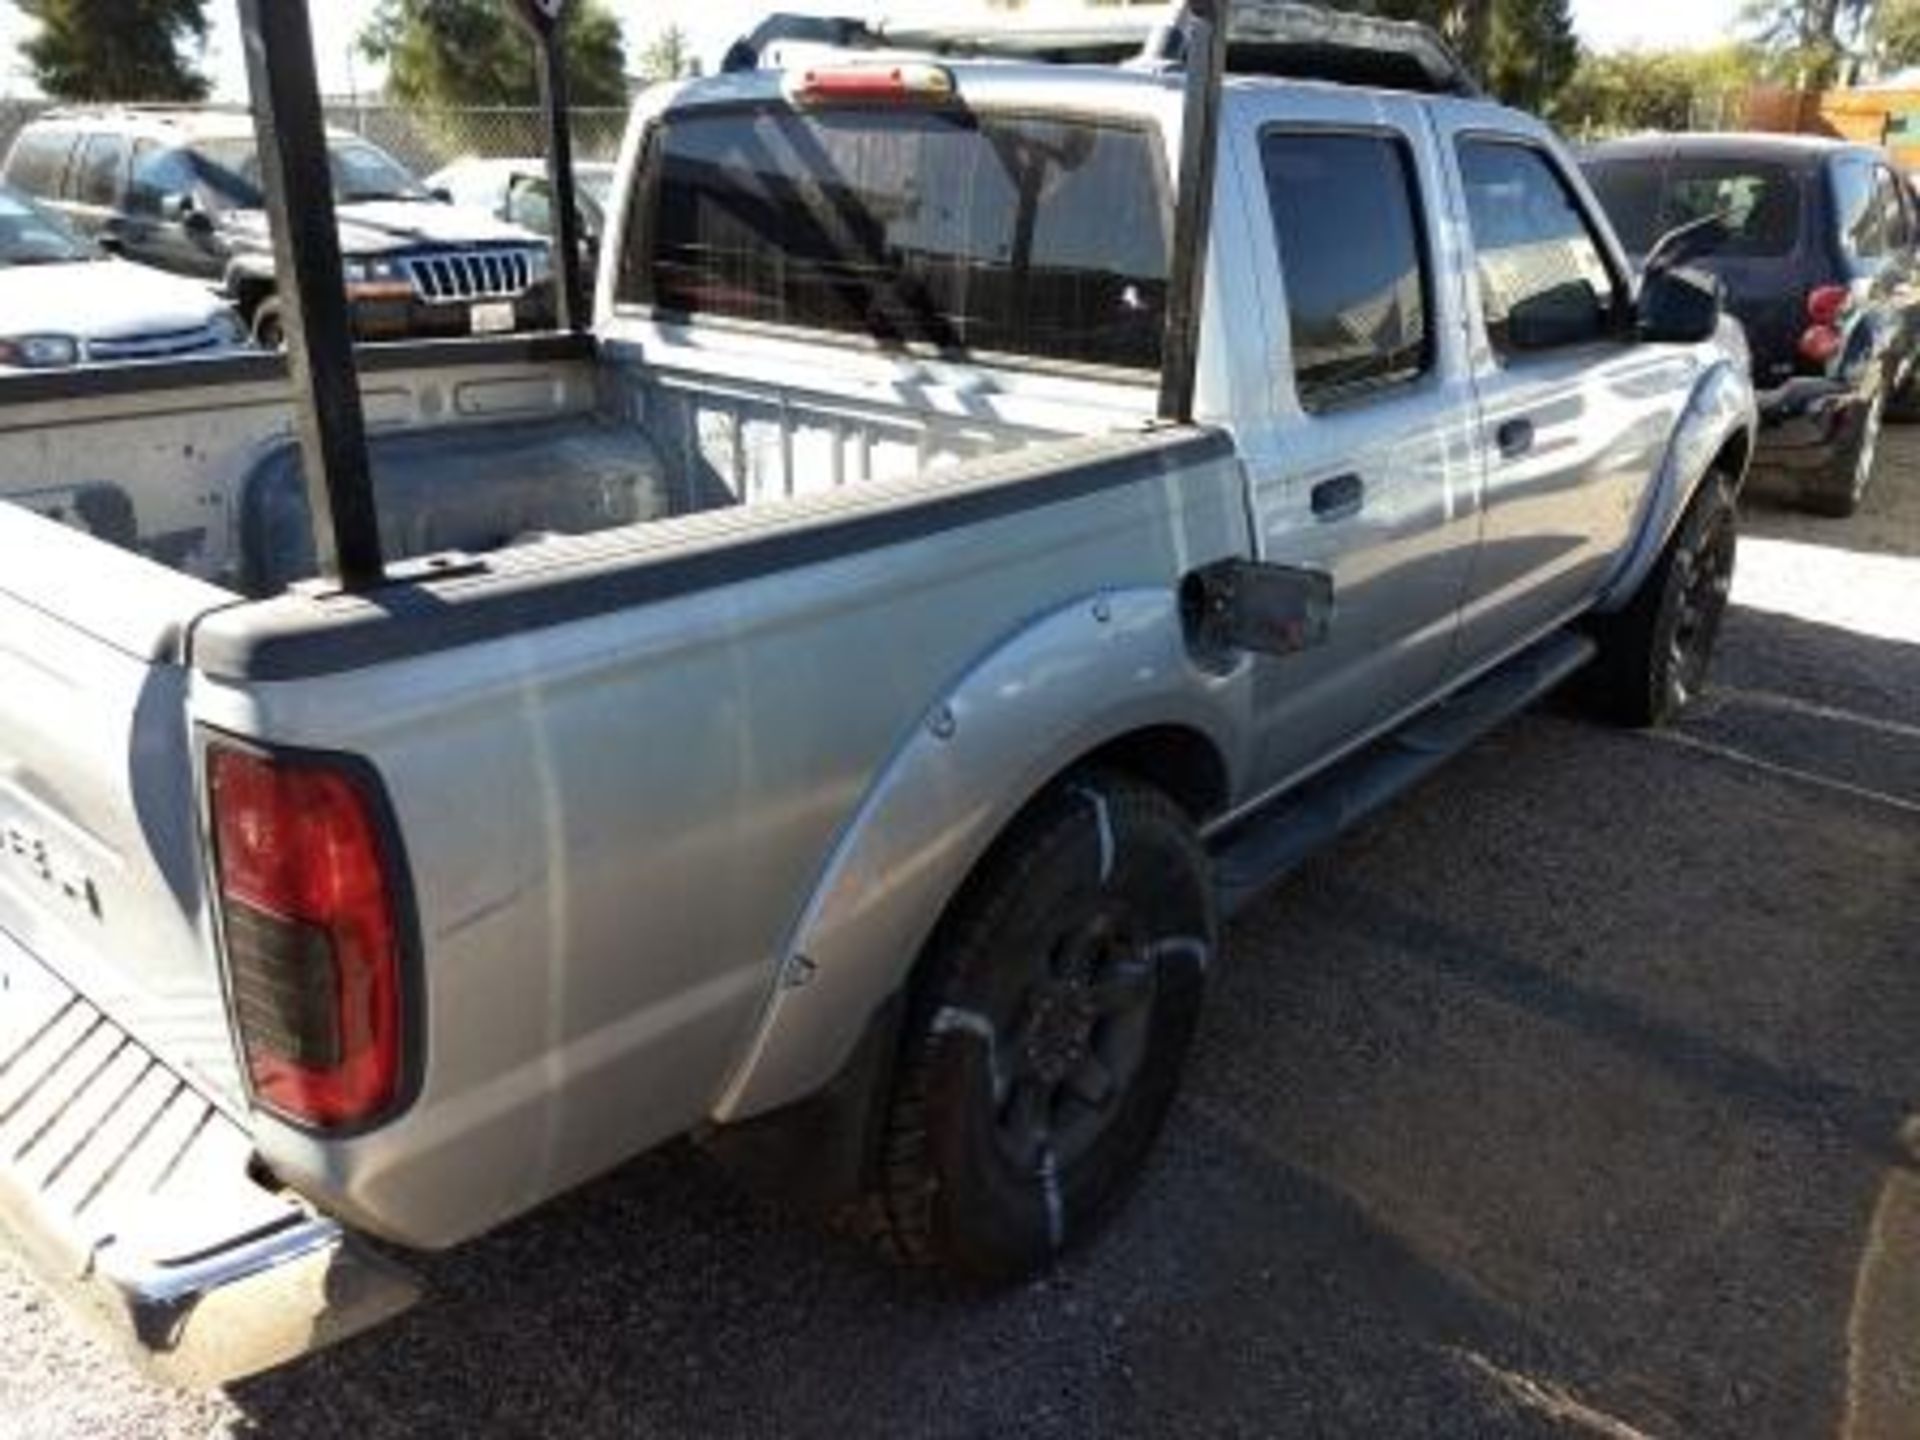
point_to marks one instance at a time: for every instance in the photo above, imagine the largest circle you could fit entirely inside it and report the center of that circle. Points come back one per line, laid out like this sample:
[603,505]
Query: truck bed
[540,703]
[511,444]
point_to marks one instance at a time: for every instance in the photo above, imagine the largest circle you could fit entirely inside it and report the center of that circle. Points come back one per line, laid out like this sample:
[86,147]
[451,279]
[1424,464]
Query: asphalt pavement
[1574,1096]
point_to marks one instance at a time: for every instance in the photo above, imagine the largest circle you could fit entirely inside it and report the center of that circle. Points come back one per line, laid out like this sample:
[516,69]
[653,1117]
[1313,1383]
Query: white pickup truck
[831,711]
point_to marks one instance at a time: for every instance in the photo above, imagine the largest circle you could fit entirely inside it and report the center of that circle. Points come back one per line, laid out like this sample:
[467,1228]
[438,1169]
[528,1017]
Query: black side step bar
[1255,852]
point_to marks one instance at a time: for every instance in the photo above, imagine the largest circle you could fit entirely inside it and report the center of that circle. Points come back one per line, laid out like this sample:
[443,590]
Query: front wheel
[269,331]
[1654,654]
[1049,1024]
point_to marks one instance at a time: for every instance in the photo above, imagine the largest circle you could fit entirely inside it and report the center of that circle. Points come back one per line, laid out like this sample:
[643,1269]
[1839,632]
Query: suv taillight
[313,940]
[1826,308]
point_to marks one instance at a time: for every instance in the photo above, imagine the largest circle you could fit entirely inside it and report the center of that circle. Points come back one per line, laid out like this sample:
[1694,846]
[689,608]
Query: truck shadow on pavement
[1570,1096]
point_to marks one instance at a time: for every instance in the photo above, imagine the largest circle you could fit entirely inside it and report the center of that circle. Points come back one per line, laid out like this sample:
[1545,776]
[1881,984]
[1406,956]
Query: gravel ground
[1573,1096]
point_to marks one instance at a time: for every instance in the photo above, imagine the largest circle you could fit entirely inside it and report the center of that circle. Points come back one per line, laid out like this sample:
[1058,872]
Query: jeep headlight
[359,272]
[540,264]
[39,352]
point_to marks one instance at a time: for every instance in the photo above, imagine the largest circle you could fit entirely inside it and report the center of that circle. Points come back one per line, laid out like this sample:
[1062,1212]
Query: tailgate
[100,873]
[132,1194]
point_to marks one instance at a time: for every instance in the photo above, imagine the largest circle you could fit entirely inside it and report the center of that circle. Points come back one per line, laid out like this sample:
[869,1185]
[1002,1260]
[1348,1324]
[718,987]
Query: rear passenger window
[1346,220]
[38,161]
[1868,208]
[1888,219]
[98,182]
[1544,281]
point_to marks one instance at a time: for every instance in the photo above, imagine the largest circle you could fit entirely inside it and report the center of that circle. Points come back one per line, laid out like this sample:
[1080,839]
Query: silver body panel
[670,854]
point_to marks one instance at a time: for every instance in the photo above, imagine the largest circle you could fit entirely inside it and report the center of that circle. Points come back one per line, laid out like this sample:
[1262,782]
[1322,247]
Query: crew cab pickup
[829,714]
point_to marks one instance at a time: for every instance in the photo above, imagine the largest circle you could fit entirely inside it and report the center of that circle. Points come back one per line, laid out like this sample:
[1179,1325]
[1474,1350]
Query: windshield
[32,236]
[360,172]
[1645,198]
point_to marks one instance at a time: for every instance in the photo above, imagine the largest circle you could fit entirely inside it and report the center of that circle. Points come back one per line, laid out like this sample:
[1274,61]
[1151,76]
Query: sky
[710,24]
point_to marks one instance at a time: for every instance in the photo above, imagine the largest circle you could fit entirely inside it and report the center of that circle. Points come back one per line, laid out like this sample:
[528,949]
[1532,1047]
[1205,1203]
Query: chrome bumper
[134,1195]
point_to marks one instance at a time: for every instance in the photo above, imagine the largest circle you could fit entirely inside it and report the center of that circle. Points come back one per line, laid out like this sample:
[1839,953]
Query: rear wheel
[1655,653]
[1840,492]
[1048,1028]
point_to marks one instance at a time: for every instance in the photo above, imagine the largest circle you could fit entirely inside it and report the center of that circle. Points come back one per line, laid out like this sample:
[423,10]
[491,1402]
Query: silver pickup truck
[828,714]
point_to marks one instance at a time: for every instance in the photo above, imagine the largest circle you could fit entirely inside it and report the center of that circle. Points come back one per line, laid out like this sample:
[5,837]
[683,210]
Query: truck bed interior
[204,476]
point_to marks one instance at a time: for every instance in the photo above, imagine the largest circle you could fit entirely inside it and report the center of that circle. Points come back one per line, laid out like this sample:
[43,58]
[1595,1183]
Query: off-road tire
[1102,879]
[1655,652]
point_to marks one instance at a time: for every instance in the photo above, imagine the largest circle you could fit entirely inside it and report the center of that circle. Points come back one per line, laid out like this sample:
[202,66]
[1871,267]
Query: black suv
[179,190]
[1819,260]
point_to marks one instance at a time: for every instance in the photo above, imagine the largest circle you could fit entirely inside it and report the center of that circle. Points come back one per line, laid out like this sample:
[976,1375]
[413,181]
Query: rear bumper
[134,1197]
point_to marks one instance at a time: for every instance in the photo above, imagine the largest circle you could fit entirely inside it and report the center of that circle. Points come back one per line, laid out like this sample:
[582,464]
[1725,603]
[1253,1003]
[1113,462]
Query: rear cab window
[967,232]
[1348,227]
[1545,283]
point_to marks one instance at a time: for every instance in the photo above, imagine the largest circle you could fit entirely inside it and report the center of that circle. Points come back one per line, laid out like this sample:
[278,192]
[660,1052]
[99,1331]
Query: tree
[1532,52]
[1810,40]
[1897,33]
[116,49]
[446,55]
[667,56]
[1466,24]
[1652,90]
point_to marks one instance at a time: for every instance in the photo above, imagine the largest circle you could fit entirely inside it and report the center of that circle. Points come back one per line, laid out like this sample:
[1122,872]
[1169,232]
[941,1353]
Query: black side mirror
[1679,307]
[1568,314]
[442,194]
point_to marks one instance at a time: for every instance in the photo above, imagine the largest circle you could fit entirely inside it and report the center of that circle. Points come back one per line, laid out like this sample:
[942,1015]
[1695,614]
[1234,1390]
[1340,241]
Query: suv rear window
[39,159]
[1646,198]
[962,231]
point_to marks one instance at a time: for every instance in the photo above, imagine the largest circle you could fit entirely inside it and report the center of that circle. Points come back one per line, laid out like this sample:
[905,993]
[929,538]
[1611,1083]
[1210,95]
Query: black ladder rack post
[298,184]
[547,20]
[1205,26]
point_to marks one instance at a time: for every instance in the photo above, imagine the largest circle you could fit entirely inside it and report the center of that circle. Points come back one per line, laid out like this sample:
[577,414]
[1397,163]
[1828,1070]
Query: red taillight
[1827,304]
[1820,343]
[875,82]
[312,939]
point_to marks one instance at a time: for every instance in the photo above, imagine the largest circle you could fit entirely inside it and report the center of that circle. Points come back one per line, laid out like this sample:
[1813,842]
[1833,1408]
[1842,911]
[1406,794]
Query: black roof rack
[1284,38]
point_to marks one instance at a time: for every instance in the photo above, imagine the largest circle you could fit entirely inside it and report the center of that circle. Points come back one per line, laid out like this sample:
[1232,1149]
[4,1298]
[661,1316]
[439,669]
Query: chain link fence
[425,140]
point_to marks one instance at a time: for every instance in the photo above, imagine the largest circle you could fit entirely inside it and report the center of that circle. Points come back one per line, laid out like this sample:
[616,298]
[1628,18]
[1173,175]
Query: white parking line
[1788,704]
[1785,772]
